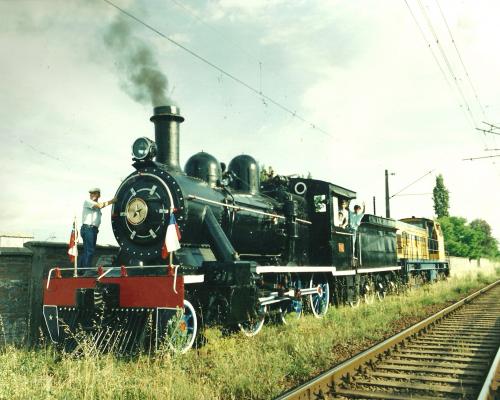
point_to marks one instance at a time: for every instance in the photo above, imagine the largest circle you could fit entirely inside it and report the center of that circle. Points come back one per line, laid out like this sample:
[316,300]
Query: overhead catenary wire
[436,60]
[447,62]
[200,19]
[237,46]
[422,33]
[479,158]
[41,152]
[411,184]
[221,70]
[468,112]
[414,194]
[467,75]
[461,60]
[489,131]
[493,126]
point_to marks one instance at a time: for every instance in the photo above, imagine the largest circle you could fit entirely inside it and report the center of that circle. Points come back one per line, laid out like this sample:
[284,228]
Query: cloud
[356,69]
[238,10]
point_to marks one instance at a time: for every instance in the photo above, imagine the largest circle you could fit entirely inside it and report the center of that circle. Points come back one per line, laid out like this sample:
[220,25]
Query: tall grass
[234,367]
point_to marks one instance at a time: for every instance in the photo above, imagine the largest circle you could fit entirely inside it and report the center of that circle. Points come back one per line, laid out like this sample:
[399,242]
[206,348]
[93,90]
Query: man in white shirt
[91,219]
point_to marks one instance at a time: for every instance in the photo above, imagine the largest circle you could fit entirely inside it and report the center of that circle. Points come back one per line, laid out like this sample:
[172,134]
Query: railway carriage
[249,250]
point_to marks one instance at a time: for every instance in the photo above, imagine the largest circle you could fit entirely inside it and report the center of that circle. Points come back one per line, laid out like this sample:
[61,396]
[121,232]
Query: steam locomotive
[250,250]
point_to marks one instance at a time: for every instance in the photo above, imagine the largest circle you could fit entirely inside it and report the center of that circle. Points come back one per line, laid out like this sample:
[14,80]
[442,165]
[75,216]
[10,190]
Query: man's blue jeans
[89,236]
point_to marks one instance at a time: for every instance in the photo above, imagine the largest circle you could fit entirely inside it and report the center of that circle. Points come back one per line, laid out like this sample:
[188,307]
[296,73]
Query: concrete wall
[14,240]
[22,271]
[15,278]
[463,266]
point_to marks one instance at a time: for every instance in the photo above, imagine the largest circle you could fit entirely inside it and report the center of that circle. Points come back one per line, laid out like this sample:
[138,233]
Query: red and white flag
[172,238]
[73,243]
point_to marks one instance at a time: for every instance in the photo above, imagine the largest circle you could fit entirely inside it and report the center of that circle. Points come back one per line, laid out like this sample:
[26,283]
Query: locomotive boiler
[221,214]
[250,250]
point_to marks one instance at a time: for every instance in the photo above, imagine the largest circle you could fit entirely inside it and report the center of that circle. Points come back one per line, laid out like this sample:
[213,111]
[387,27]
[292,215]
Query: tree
[441,198]
[486,244]
[473,240]
[456,236]
[263,174]
[266,173]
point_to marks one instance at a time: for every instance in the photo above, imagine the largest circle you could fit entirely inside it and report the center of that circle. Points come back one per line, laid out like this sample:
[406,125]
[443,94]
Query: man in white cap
[91,219]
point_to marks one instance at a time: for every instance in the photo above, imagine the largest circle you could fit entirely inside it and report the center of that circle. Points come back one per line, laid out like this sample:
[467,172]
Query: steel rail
[326,385]
[491,387]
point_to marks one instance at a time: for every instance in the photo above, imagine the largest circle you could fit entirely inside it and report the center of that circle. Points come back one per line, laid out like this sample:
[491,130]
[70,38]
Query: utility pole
[387,198]
[374,207]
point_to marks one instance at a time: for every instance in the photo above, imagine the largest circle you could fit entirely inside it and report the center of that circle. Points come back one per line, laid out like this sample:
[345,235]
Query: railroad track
[453,354]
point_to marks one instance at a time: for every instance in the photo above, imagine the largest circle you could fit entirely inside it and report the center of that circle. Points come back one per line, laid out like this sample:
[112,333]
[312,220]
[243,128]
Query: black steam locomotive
[250,249]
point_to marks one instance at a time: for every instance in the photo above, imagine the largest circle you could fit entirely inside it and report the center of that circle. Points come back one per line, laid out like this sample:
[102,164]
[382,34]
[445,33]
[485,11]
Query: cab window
[320,203]
[335,211]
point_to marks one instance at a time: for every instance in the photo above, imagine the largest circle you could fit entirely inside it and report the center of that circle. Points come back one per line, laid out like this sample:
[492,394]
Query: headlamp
[143,148]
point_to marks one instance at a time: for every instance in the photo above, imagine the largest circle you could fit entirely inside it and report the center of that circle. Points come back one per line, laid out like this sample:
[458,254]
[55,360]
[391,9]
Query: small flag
[73,243]
[172,238]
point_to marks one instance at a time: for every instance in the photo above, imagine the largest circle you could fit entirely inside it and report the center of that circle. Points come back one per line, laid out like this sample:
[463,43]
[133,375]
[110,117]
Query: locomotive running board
[303,269]
[269,269]
[378,269]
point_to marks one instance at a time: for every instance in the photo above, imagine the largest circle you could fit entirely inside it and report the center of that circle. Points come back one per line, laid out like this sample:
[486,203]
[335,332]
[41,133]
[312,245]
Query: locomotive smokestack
[167,120]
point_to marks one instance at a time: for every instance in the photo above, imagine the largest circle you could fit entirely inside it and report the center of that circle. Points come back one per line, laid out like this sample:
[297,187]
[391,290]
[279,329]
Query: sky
[376,91]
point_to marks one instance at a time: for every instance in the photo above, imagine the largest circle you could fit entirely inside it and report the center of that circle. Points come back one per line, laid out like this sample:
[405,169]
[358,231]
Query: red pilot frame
[135,291]
[162,294]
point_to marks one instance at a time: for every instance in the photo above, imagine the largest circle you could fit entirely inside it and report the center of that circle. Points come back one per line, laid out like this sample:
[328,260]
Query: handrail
[105,273]
[237,208]
[49,277]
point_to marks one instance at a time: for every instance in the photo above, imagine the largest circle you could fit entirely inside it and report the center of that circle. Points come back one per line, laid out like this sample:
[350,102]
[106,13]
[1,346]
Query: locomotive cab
[329,244]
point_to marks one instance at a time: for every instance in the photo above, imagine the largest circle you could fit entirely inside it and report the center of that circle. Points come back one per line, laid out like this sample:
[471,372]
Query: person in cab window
[344,215]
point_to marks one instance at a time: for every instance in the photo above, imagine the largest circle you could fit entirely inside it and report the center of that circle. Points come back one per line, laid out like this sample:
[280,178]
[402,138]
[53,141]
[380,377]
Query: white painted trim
[381,269]
[193,279]
[269,269]
[342,233]
[344,273]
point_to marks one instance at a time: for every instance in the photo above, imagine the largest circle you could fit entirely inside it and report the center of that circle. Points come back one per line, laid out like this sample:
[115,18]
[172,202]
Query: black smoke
[140,74]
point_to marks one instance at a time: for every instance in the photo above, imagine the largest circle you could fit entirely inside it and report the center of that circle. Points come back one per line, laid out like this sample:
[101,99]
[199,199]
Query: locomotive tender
[249,250]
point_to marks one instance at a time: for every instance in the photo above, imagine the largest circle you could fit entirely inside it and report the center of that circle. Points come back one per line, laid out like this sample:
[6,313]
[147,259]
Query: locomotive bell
[167,120]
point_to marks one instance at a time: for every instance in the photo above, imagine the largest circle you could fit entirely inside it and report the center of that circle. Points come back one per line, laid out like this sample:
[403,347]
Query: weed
[226,367]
